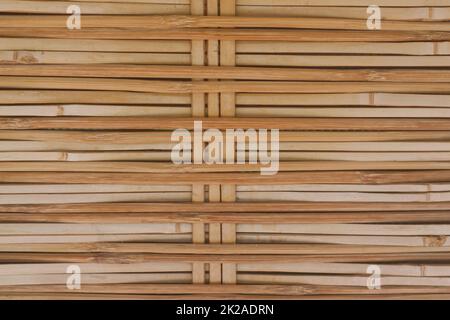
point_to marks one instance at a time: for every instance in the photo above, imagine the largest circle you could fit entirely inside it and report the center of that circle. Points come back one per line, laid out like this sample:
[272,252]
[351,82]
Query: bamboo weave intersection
[86,177]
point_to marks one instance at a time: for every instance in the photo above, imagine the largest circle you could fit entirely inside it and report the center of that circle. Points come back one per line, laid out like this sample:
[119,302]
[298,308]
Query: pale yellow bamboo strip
[196,21]
[213,60]
[291,35]
[93,229]
[349,3]
[349,229]
[133,1]
[198,109]
[86,156]
[365,146]
[412,270]
[58,146]
[398,188]
[94,188]
[341,61]
[228,109]
[36,44]
[176,238]
[405,48]
[341,196]
[215,235]
[64,57]
[341,280]
[92,110]
[378,99]
[345,240]
[60,7]
[361,156]
[42,279]
[94,137]
[405,13]
[97,198]
[341,112]
[60,268]
[89,97]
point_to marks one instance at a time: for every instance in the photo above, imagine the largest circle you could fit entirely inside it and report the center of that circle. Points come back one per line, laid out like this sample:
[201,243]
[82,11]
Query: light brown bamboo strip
[342,112]
[64,57]
[143,257]
[179,238]
[36,44]
[198,87]
[342,196]
[223,249]
[344,240]
[163,137]
[92,268]
[118,8]
[147,123]
[389,13]
[398,188]
[401,48]
[93,229]
[57,146]
[362,156]
[360,99]
[227,72]
[340,61]
[411,270]
[43,279]
[348,229]
[90,97]
[86,156]
[349,3]
[290,35]
[94,188]
[196,21]
[97,197]
[96,137]
[217,292]
[93,111]
[229,207]
[161,167]
[230,218]
[340,280]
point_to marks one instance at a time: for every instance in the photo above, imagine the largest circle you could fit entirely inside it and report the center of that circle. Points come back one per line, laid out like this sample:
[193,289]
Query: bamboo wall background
[85,170]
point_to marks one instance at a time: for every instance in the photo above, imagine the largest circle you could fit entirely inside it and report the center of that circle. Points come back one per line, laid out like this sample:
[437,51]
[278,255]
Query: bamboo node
[434,241]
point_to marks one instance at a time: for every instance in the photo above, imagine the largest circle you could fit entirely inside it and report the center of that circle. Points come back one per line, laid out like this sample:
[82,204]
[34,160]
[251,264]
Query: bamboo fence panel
[86,177]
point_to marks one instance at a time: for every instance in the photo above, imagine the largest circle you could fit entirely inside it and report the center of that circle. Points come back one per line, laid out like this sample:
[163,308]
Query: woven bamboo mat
[87,181]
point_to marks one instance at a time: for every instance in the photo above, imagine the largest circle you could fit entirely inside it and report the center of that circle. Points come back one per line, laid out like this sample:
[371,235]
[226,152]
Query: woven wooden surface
[86,177]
